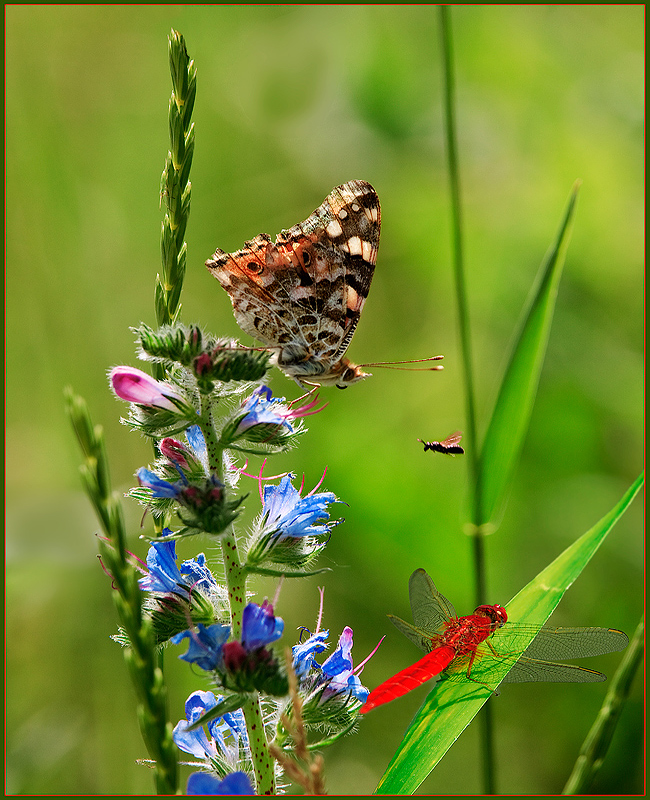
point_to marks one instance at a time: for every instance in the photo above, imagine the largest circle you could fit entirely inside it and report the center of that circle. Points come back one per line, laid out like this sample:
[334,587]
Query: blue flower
[206,645]
[164,576]
[227,732]
[259,626]
[286,513]
[337,675]
[303,654]
[339,669]
[233,784]
[265,419]
[261,408]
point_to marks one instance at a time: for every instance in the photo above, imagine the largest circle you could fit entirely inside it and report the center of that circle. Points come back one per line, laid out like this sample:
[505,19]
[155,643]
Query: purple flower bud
[135,386]
[202,364]
[234,656]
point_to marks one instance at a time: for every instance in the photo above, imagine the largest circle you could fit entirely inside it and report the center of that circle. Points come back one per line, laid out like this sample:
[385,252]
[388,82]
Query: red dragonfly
[460,648]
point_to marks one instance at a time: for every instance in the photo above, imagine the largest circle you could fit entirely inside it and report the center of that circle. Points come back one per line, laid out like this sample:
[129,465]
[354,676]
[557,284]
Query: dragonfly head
[497,614]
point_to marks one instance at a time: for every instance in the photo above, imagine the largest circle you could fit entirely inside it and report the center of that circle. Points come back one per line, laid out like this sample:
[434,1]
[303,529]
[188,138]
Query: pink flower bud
[174,451]
[135,386]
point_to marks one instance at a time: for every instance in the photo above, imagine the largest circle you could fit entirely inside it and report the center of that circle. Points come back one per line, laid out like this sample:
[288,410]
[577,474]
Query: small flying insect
[449,445]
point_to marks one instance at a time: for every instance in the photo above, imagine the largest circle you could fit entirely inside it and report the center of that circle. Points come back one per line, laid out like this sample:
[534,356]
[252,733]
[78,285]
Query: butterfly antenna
[393,364]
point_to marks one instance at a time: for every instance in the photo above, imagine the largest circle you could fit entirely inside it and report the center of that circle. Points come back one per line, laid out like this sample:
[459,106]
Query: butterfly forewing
[345,235]
[303,294]
[430,609]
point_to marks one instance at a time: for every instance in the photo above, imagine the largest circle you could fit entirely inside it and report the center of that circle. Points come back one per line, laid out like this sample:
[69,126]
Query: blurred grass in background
[292,101]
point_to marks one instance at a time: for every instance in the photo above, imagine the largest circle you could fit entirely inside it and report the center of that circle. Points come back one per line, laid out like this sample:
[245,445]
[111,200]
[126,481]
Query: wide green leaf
[507,428]
[452,705]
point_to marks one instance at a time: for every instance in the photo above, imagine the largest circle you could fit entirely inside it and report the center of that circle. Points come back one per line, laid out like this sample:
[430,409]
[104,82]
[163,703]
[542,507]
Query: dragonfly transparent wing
[529,670]
[429,608]
[418,637]
[561,643]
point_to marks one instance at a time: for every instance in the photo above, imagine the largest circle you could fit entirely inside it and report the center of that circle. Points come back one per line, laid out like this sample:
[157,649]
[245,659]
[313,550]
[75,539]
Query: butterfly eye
[306,258]
[254,266]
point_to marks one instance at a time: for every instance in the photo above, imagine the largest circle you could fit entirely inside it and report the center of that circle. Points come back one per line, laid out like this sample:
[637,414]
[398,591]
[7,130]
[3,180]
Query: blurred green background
[293,100]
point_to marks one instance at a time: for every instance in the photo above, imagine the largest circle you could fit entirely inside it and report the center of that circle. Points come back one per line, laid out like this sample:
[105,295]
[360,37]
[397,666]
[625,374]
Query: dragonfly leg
[492,650]
[481,683]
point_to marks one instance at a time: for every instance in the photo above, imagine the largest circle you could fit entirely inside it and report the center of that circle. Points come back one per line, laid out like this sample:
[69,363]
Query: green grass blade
[452,705]
[594,749]
[507,429]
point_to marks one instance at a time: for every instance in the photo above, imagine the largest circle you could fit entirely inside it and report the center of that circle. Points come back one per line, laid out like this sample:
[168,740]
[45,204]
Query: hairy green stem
[236,583]
[262,759]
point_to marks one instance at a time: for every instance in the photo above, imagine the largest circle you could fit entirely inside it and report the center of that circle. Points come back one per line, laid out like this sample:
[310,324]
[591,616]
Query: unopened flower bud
[135,386]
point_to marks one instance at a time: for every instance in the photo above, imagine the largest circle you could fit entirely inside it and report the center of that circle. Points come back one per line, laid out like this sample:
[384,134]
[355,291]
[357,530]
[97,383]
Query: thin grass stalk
[175,192]
[594,748]
[446,39]
[175,186]
[140,655]
[457,238]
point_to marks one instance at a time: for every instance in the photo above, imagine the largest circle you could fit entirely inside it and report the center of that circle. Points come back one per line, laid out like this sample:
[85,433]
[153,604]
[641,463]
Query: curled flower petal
[196,742]
[164,575]
[226,732]
[196,440]
[341,658]
[199,575]
[135,386]
[174,451]
[338,667]
[206,645]
[259,626]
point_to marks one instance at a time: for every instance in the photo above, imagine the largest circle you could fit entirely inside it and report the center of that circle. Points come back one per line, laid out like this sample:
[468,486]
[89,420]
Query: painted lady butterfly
[303,294]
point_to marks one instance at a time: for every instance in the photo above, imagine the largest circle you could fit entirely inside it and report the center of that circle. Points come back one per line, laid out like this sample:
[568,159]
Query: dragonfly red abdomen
[410,678]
